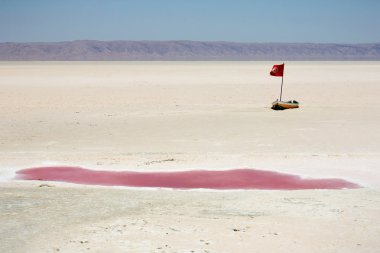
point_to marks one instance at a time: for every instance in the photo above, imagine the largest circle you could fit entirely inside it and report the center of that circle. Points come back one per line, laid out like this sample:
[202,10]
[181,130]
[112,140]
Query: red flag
[277,70]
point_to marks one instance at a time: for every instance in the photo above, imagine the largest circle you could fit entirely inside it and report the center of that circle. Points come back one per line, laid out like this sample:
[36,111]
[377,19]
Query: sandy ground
[189,115]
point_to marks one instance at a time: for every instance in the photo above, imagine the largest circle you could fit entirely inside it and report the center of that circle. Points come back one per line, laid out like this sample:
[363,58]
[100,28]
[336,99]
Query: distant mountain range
[88,50]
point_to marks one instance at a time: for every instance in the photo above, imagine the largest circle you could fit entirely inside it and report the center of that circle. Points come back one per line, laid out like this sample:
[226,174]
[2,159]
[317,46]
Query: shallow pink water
[225,179]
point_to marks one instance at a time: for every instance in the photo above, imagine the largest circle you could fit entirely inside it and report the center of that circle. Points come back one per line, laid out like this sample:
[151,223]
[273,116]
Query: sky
[316,21]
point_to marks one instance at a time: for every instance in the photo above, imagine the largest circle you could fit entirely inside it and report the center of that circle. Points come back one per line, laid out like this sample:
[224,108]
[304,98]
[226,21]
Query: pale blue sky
[327,21]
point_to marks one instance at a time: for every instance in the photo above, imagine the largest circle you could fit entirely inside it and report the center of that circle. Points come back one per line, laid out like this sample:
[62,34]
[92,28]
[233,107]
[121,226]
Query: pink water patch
[225,179]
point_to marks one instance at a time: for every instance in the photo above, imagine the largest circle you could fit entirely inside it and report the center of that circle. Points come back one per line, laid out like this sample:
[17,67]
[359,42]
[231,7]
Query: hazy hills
[87,50]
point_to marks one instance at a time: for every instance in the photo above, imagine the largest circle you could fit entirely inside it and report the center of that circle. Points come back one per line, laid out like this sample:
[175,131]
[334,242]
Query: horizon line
[184,40]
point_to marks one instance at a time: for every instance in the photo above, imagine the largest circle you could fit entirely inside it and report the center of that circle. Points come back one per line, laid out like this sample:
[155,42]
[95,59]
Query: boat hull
[281,105]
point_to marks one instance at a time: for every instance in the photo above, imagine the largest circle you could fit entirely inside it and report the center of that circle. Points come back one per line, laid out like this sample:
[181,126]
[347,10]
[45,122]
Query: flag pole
[282,80]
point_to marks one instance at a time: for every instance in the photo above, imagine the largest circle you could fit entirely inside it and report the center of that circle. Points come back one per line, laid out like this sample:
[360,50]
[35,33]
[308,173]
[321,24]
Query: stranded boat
[281,105]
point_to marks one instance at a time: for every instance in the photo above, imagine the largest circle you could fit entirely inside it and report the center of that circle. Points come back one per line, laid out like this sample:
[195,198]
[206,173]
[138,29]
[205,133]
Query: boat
[282,105]
[278,70]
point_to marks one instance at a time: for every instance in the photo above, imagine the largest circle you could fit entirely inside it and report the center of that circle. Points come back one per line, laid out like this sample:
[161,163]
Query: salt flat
[150,116]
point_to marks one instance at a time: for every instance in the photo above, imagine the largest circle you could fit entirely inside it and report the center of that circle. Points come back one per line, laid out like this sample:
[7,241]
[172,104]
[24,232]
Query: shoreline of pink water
[192,179]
